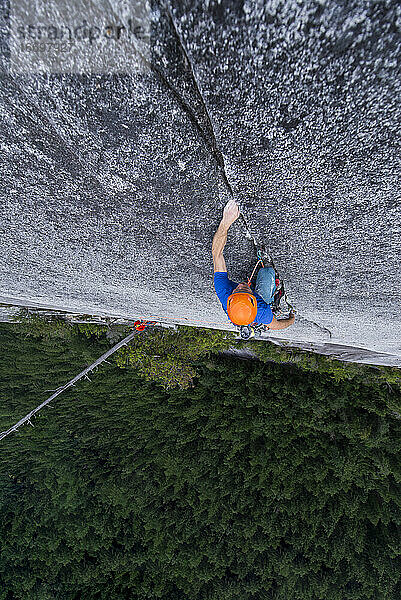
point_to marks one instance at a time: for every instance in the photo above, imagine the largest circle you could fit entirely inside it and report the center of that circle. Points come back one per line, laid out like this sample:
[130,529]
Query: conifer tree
[260,481]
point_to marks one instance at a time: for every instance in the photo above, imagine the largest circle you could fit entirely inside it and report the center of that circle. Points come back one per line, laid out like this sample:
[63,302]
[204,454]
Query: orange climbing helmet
[242,308]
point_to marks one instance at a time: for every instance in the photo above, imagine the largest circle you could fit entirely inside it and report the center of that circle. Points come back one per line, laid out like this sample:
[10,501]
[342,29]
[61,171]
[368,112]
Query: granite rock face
[113,183]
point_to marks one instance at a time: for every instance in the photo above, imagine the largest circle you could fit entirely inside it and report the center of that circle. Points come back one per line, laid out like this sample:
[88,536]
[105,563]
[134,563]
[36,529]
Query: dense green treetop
[262,481]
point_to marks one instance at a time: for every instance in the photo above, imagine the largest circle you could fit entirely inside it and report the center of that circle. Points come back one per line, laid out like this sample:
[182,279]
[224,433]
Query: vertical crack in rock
[212,142]
[184,106]
[324,195]
[157,70]
[208,137]
[217,154]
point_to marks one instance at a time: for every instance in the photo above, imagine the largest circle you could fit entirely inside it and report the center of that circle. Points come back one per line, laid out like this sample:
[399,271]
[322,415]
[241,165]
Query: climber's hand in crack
[230,212]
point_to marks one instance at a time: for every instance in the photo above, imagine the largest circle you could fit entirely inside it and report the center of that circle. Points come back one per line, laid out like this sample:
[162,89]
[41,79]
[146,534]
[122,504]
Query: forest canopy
[262,480]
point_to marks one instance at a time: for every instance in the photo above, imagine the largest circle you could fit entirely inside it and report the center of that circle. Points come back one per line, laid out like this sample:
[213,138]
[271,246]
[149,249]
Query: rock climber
[242,305]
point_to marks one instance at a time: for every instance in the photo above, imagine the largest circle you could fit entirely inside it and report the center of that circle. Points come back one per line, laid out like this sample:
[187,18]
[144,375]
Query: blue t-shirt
[224,288]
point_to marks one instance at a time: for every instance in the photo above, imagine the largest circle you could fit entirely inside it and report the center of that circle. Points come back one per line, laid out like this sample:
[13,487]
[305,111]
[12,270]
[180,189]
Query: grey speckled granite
[112,185]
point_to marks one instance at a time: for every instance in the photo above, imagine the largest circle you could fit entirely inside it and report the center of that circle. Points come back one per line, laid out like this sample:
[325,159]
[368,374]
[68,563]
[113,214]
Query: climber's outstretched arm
[230,214]
[219,241]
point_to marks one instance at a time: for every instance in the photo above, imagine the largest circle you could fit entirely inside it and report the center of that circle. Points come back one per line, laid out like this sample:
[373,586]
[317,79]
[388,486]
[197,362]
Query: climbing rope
[260,261]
